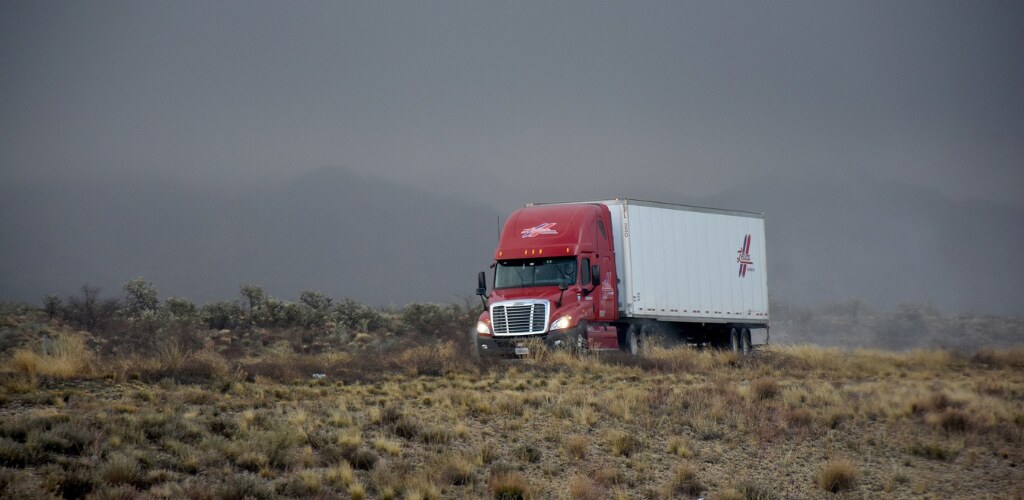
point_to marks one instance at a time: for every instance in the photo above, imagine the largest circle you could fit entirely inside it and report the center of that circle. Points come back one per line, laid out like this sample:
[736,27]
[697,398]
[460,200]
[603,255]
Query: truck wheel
[734,340]
[745,342]
[630,344]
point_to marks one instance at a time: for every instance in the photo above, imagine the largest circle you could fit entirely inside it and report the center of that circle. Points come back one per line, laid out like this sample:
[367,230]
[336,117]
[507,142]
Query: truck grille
[520,317]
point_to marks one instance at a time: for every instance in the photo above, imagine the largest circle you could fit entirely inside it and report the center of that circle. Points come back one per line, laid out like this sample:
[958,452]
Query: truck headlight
[562,323]
[482,328]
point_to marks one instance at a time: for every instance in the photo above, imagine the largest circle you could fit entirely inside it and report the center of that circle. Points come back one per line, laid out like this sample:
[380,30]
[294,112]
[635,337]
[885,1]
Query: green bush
[222,315]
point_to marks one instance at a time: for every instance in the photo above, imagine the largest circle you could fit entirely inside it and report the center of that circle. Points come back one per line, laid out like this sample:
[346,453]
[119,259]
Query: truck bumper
[506,346]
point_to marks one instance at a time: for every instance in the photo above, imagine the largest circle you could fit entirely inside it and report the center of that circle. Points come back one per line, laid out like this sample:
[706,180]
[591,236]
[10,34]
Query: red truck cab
[554,279]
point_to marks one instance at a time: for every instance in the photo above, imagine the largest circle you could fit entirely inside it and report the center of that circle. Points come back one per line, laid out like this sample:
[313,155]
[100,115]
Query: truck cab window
[523,273]
[585,272]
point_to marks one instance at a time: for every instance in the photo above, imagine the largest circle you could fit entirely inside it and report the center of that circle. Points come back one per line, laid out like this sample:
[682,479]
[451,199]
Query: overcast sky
[517,101]
[697,94]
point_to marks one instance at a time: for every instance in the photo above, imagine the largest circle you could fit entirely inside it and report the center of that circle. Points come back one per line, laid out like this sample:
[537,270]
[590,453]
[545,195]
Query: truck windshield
[535,272]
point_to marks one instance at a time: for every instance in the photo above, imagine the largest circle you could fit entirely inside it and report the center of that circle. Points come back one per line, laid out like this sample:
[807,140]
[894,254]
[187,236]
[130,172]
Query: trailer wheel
[734,340]
[745,342]
[644,341]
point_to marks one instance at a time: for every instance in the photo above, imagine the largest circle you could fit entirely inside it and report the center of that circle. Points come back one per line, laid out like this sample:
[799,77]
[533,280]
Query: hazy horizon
[176,140]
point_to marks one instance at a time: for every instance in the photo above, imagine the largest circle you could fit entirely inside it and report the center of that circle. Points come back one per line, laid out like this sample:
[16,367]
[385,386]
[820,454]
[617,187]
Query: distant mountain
[330,230]
[887,243]
[386,242]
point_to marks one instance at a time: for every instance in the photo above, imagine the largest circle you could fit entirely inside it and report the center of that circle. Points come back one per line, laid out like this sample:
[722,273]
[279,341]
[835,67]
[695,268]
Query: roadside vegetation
[264,398]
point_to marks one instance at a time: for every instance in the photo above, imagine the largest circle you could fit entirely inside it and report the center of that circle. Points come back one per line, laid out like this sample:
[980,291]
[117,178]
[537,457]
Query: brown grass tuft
[584,488]
[1001,358]
[576,446]
[951,420]
[838,475]
[65,357]
[623,443]
[454,469]
[935,402]
[510,486]
[766,388]
[684,481]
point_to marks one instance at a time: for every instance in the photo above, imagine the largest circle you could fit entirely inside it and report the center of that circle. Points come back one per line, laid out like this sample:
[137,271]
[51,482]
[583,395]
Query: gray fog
[369,149]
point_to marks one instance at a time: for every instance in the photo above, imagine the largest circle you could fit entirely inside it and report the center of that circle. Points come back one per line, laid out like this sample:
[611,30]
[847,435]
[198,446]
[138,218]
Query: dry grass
[838,475]
[510,486]
[683,482]
[576,446]
[64,357]
[422,422]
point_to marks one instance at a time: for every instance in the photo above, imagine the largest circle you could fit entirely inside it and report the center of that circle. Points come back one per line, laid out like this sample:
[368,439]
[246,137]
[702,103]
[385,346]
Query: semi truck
[625,274]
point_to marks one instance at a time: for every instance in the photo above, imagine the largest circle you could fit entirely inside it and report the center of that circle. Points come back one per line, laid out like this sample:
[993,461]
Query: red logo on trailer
[744,256]
[539,229]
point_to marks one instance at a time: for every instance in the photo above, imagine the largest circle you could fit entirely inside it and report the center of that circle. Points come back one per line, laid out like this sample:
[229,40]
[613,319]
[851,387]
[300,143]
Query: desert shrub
[26,362]
[120,469]
[52,306]
[453,469]
[268,312]
[361,318]
[436,320]
[158,426]
[89,312]
[293,314]
[798,419]
[749,489]
[179,308]
[65,356]
[576,446]
[15,454]
[766,388]
[684,481]
[222,315]
[610,476]
[316,308]
[361,458]
[838,475]
[1005,358]
[487,453]
[65,438]
[584,488]
[243,486]
[75,482]
[433,359]
[115,492]
[951,420]
[253,295]
[304,483]
[623,443]
[436,434]
[315,300]
[510,486]
[934,402]
[140,296]
[934,450]
[278,445]
[680,446]
[527,453]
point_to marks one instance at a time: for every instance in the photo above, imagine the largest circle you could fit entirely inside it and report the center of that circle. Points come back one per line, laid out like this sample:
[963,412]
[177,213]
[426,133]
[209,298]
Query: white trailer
[685,264]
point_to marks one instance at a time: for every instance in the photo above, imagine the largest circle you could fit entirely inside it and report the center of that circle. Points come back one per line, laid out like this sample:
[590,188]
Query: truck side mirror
[481,284]
[595,275]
